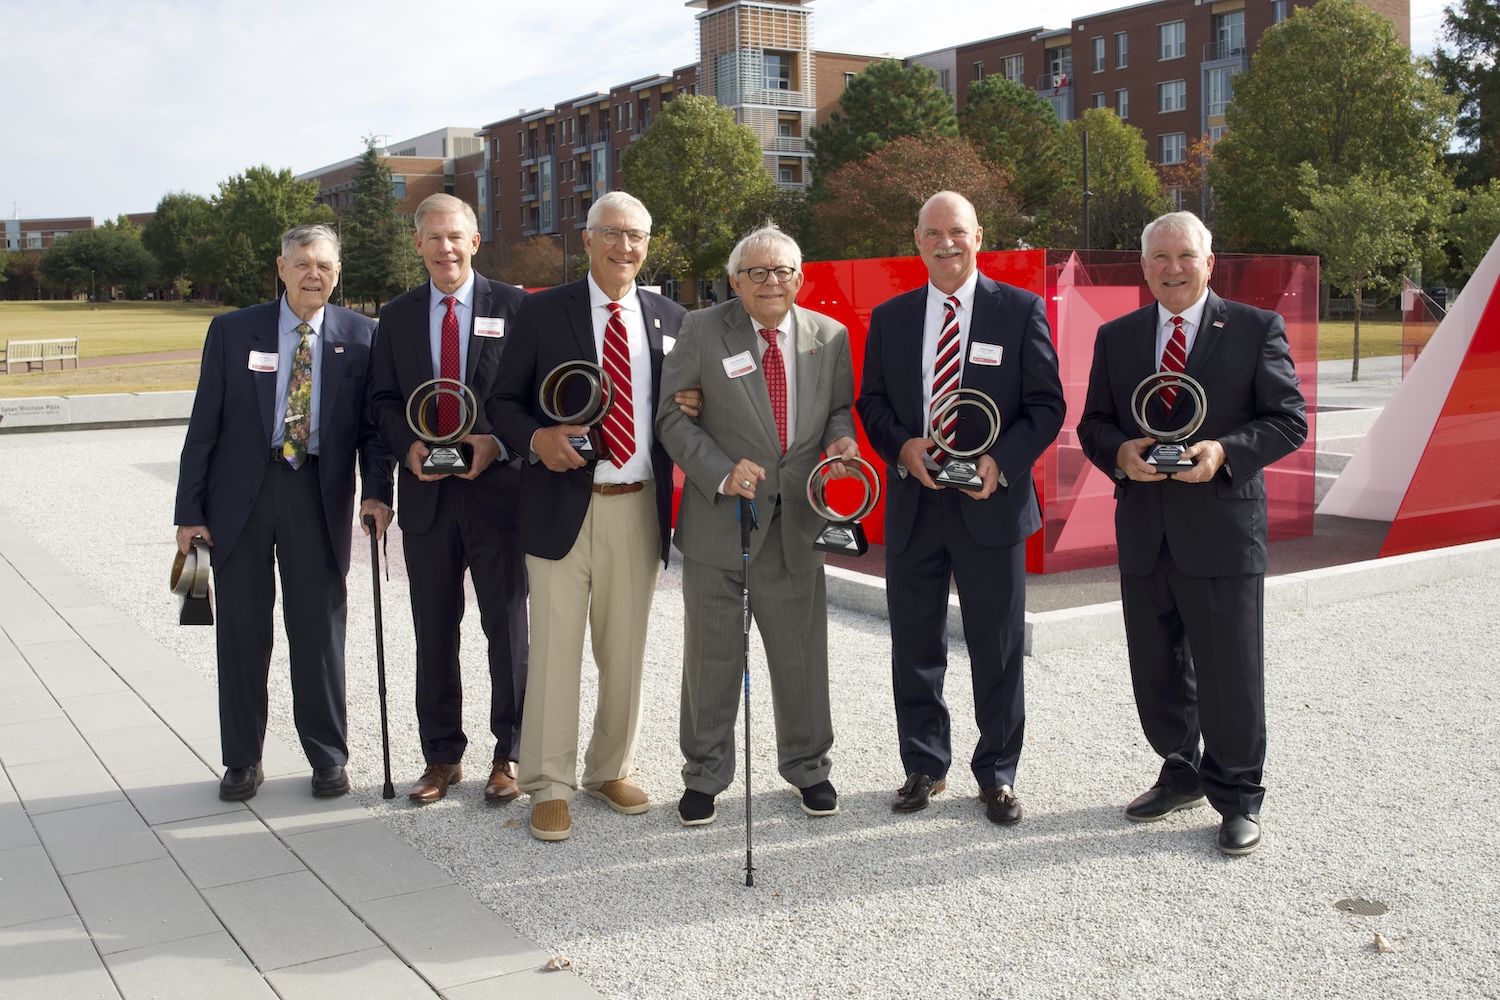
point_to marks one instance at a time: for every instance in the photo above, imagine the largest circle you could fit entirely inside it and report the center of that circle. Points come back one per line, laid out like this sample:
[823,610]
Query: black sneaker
[696,809]
[819,799]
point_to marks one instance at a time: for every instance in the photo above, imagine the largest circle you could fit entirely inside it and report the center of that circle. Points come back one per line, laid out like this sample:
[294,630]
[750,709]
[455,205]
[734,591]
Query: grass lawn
[113,328]
[1379,338]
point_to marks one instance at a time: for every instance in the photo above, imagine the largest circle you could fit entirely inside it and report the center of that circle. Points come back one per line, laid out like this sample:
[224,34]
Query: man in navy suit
[454,326]
[594,531]
[998,338]
[265,480]
[1192,545]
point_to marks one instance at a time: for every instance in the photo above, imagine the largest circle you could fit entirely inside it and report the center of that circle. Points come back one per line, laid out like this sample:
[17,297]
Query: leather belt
[618,489]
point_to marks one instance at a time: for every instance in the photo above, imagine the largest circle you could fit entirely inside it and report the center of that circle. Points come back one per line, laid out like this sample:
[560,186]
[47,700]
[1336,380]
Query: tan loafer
[622,796]
[550,820]
[502,784]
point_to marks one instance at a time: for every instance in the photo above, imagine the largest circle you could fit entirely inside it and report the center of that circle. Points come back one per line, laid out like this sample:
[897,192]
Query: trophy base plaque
[962,474]
[842,539]
[590,446]
[1168,458]
[449,459]
[195,611]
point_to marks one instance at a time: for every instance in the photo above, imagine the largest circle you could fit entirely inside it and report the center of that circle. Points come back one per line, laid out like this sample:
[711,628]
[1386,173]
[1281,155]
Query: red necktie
[619,425]
[775,366]
[448,368]
[947,371]
[1174,359]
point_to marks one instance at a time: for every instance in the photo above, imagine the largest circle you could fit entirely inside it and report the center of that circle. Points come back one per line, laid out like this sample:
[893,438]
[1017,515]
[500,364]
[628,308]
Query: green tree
[1012,126]
[883,102]
[254,210]
[1125,188]
[872,203]
[700,175]
[110,256]
[1474,227]
[1330,86]
[178,236]
[1471,71]
[380,257]
[22,274]
[1362,228]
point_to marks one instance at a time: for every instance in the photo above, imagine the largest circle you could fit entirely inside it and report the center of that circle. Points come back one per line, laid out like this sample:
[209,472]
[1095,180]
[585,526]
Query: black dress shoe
[329,781]
[913,795]
[1001,805]
[1159,801]
[819,799]
[1239,834]
[240,783]
[696,809]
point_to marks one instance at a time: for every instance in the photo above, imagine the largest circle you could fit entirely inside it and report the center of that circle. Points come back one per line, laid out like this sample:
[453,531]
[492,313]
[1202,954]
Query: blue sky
[111,105]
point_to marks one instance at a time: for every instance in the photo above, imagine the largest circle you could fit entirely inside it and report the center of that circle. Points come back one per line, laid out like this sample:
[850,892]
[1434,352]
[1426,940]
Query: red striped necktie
[947,370]
[1174,360]
[775,365]
[448,368]
[619,425]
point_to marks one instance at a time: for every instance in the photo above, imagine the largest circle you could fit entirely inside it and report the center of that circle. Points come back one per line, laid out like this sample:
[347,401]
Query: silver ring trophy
[1166,455]
[843,533]
[596,405]
[190,575]
[961,468]
[447,454]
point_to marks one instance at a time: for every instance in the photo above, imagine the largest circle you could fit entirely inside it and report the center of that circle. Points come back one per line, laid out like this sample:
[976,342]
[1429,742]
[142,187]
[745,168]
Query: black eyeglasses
[760,274]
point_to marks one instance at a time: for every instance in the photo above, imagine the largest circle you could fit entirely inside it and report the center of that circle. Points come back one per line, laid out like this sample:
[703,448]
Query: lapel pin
[338,348]
[1218,323]
[656,322]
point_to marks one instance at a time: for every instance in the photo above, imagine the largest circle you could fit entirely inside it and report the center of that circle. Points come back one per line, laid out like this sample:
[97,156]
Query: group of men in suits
[745,397]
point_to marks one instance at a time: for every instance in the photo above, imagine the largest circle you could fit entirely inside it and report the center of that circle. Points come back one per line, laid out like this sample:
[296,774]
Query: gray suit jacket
[737,423]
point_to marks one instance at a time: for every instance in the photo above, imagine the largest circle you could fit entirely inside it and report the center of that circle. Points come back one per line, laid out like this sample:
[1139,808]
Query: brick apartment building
[447,160]
[40,234]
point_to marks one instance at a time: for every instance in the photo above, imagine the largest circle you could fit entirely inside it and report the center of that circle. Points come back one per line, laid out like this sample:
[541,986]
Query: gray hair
[617,200]
[303,236]
[439,204]
[770,238]
[1184,224]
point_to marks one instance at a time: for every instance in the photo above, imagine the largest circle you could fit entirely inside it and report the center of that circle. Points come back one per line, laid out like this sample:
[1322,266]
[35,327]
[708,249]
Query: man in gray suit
[778,388]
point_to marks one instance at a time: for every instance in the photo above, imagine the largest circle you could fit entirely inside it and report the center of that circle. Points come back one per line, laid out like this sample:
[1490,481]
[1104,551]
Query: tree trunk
[1358,301]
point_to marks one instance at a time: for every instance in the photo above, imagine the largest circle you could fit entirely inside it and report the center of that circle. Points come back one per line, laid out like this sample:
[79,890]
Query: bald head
[948,237]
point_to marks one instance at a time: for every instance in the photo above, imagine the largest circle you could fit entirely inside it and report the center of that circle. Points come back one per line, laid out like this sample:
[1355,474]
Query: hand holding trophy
[1166,455]
[447,454]
[960,466]
[597,402]
[843,533]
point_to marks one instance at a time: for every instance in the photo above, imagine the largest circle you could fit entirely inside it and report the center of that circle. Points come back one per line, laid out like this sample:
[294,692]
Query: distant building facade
[444,161]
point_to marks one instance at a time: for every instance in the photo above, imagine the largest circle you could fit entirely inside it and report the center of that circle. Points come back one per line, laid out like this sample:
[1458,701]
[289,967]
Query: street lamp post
[93,298]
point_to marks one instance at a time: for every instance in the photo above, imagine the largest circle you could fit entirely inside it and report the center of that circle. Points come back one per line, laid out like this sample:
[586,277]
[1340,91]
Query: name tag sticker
[667,343]
[261,361]
[740,365]
[489,326]
[984,354]
[656,322]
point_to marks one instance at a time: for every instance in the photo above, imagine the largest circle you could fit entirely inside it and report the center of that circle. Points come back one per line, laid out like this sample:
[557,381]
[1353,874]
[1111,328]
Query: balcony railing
[1057,82]
[1225,49]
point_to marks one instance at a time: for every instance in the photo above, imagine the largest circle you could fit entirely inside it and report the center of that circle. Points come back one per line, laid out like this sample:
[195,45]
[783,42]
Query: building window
[1229,34]
[398,185]
[978,71]
[1220,90]
[1014,68]
[778,71]
[1175,194]
[1060,64]
[1099,100]
[784,130]
[1099,54]
[1278,11]
[1215,133]
[520,143]
[1171,96]
[784,175]
[848,79]
[1122,50]
[1172,40]
[945,82]
[1122,104]
[1173,147]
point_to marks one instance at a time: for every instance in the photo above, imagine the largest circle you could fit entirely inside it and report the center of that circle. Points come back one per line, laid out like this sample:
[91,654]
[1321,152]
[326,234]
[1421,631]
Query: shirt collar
[598,300]
[290,321]
[464,294]
[964,294]
[1192,316]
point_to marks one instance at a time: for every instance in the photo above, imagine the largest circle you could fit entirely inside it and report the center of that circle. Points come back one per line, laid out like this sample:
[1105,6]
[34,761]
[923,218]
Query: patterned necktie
[775,366]
[947,371]
[1174,359]
[619,425]
[298,402]
[448,368]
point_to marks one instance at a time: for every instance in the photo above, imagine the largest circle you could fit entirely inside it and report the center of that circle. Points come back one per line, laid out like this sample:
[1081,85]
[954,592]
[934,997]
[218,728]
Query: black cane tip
[389,793]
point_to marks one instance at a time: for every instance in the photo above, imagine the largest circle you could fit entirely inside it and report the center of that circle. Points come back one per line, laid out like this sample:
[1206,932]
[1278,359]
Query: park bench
[39,352]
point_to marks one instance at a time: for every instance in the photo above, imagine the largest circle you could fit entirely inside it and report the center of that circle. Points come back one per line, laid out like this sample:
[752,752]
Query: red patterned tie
[775,366]
[448,364]
[1174,359]
[947,370]
[619,425]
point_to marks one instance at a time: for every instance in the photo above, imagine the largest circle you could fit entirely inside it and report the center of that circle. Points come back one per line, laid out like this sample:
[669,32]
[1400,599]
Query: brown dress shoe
[502,784]
[1001,805]
[434,782]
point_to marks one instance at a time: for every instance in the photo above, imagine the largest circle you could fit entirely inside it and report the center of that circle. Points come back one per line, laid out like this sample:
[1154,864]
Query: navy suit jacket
[1255,410]
[403,361]
[1025,386]
[228,443]
[551,327]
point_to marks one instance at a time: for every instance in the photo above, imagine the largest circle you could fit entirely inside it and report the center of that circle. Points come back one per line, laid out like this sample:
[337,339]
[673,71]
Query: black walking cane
[748,523]
[389,791]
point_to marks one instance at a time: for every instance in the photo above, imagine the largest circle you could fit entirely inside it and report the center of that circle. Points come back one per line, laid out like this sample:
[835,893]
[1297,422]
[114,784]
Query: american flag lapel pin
[656,322]
[1218,324]
[338,348]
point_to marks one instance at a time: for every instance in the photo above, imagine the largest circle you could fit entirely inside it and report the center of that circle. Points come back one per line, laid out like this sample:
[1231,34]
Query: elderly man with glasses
[593,528]
[778,392]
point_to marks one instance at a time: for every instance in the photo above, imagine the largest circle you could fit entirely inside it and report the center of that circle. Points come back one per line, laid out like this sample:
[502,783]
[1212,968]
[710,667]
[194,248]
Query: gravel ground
[1073,902]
